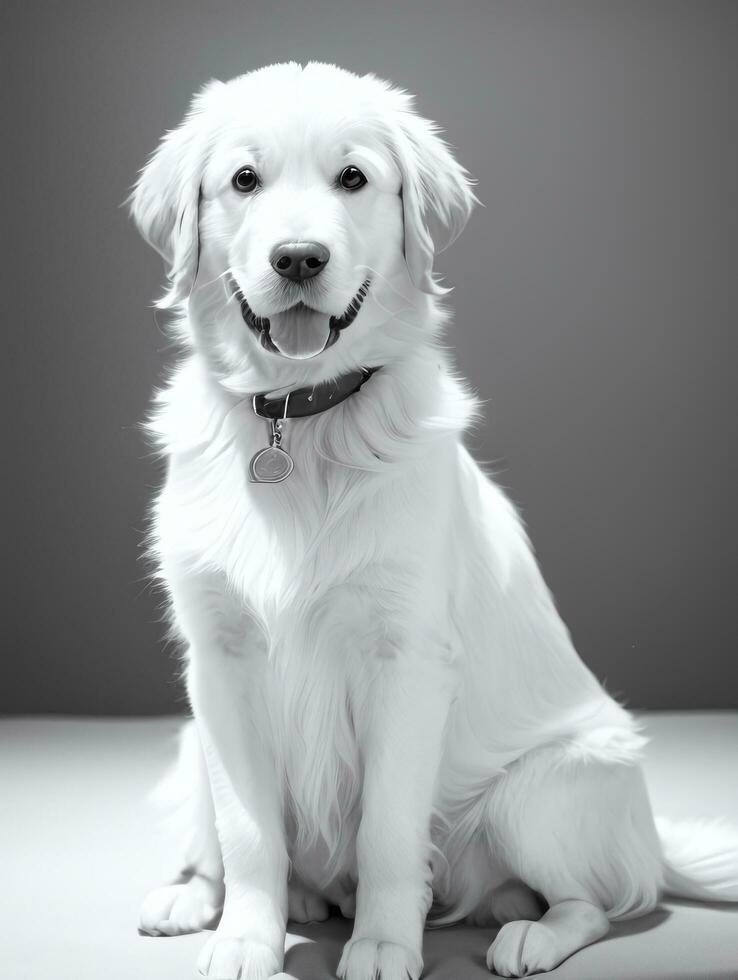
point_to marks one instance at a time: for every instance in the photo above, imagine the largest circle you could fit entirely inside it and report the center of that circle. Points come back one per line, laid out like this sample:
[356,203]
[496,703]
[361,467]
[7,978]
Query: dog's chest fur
[335,565]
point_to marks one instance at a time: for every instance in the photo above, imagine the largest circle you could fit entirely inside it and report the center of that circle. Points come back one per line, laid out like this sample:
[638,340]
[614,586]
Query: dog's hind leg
[574,823]
[523,947]
[194,901]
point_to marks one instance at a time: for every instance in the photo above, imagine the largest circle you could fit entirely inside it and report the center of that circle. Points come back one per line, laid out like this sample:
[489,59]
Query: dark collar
[302,402]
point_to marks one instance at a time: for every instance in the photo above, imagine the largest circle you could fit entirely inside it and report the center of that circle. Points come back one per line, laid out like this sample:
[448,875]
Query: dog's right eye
[245,180]
[351,179]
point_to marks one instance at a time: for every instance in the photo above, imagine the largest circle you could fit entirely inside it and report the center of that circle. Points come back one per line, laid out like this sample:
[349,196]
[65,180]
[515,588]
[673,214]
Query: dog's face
[292,207]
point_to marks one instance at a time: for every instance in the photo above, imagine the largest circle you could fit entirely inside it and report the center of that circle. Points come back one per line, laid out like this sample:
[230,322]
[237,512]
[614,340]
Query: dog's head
[292,207]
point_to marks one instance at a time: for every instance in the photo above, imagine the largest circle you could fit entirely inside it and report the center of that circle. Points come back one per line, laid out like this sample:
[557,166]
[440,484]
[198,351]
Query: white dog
[389,715]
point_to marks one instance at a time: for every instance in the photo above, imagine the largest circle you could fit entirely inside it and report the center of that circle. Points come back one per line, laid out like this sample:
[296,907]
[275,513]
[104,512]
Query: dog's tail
[700,859]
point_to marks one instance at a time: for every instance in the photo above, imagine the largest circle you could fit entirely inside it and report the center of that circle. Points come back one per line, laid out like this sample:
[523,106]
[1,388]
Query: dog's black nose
[299,260]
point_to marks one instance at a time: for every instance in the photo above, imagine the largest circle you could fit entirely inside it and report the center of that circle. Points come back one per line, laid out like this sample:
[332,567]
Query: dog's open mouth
[299,332]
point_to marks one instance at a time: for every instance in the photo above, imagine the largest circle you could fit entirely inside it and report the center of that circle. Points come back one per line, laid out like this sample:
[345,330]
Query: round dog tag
[270,465]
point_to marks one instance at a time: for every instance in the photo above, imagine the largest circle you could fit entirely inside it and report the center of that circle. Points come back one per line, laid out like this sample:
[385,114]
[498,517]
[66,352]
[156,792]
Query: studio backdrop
[595,301]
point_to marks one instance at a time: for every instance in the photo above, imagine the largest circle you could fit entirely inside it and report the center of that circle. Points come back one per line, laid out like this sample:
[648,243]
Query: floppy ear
[435,187]
[165,201]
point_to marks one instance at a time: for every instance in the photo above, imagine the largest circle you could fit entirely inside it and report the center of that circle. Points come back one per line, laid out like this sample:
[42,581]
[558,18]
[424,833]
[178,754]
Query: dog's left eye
[351,179]
[245,180]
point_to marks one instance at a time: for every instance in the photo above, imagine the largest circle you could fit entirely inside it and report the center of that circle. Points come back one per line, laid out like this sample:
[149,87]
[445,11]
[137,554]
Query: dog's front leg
[400,727]
[226,679]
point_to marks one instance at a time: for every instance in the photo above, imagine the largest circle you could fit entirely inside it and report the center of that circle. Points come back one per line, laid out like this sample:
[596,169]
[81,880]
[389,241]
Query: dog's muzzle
[286,325]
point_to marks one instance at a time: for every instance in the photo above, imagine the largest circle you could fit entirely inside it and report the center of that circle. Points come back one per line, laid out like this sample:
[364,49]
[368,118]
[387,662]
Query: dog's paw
[226,957]
[176,909]
[370,959]
[306,906]
[521,948]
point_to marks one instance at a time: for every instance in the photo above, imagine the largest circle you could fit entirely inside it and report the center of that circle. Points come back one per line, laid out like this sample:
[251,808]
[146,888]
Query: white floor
[80,848]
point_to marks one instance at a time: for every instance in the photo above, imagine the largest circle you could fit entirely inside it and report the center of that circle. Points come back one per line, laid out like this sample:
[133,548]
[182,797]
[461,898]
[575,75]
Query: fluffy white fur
[389,715]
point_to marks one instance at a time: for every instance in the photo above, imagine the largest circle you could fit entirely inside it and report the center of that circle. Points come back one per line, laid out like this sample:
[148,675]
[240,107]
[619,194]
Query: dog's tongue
[299,332]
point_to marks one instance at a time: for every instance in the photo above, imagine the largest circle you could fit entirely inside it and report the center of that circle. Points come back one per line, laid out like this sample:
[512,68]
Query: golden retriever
[388,713]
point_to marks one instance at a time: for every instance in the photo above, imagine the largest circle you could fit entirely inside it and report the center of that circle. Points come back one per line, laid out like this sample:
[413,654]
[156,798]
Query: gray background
[595,311]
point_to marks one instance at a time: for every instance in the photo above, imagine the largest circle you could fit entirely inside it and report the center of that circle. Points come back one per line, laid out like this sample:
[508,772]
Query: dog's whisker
[209,282]
[387,283]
